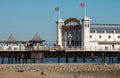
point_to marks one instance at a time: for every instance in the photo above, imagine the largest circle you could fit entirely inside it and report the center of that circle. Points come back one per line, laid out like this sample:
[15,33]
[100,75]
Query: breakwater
[83,70]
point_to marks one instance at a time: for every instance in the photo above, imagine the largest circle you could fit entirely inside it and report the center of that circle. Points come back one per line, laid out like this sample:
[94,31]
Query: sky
[25,18]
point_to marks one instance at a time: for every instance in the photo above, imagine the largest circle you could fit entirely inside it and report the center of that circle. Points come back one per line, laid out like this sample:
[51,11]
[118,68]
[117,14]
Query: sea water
[63,60]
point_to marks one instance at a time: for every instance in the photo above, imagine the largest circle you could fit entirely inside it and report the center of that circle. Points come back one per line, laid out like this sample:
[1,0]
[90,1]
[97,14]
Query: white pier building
[81,33]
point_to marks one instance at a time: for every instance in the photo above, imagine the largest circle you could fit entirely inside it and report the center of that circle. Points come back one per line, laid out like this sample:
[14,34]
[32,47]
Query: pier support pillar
[93,57]
[23,58]
[109,59]
[16,60]
[33,60]
[41,60]
[66,59]
[31,57]
[12,60]
[83,59]
[41,57]
[75,60]
[118,60]
[58,60]
[103,58]
[112,59]
[8,60]
[26,60]
[2,60]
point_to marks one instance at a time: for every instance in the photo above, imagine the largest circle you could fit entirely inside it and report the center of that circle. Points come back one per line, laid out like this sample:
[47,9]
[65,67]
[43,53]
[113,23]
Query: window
[100,36]
[90,36]
[109,36]
[119,36]
[88,25]
[85,25]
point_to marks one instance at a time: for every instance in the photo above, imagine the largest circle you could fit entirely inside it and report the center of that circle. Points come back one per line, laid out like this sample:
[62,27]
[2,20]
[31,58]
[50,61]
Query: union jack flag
[57,9]
[82,5]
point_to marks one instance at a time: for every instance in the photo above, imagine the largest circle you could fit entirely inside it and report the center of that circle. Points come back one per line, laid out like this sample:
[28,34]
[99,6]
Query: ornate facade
[81,33]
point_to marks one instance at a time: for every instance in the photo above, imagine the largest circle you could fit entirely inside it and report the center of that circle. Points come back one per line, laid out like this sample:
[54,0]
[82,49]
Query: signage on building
[71,27]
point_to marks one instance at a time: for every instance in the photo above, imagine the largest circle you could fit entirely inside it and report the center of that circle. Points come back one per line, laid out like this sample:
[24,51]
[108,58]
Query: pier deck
[15,56]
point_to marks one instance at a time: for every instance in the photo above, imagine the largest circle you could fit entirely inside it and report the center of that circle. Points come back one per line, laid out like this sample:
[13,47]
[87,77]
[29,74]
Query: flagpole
[59,10]
[85,7]
[59,13]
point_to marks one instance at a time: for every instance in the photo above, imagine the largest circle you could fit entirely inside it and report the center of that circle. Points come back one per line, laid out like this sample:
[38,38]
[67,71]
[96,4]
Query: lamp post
[70,38]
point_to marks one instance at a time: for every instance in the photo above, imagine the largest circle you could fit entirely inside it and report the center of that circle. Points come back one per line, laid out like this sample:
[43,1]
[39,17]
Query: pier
[22,56]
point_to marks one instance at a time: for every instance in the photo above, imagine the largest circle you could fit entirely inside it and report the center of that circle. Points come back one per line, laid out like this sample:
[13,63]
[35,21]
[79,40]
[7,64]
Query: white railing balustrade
[57,48]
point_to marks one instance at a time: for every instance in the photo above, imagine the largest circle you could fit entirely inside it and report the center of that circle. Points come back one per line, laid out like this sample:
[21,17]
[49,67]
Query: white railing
[55,48]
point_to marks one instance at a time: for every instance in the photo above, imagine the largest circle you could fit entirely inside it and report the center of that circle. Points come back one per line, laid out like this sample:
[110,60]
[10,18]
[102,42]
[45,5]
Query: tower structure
[85,32]
[59,23]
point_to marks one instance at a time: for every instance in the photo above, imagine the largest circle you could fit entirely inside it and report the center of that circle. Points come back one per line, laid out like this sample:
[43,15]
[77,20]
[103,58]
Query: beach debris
[20,69]
[42,73]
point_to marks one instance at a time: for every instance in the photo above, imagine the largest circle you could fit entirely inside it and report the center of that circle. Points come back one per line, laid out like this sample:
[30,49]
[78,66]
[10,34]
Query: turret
[85,32]
[59,23]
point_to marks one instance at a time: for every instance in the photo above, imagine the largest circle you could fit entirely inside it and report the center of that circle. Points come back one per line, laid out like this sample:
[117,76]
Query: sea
[63,60]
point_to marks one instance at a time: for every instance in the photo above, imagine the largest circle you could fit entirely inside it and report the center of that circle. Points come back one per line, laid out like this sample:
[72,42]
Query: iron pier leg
[75,60]
[103,58]
[16,60]
[66,59]
[26,60]
[93,57]
[41,57]
[109,59]
[33,60]
[58,60]
[112,59]
[83,59]
[8,60]
[2,60]
[12,60]
[41,60]
[19,60]
[23,60]
[118,60]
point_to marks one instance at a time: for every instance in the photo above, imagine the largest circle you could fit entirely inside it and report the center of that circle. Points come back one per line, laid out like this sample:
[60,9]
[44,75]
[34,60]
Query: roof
[108,28]
[11,38]
[37,38]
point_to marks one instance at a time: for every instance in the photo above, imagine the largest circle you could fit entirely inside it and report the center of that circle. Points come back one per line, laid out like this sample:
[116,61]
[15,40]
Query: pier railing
[56,48]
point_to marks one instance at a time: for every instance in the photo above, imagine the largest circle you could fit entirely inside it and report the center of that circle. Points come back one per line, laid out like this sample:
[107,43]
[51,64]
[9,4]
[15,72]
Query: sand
[31,74]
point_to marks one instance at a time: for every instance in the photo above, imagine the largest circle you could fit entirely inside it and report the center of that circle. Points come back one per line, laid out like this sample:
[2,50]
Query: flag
[82,5]
[57,9]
